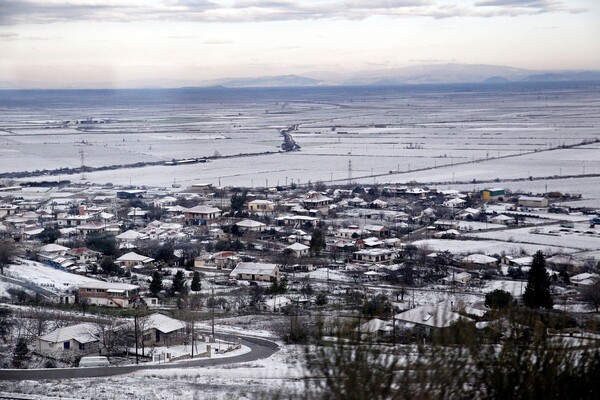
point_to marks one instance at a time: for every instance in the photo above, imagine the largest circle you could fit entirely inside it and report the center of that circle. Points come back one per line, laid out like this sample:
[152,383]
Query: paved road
[260,348]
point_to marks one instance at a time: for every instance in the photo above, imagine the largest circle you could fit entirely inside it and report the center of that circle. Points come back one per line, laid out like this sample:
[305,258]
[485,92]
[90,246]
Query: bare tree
[7,253]
[591,295]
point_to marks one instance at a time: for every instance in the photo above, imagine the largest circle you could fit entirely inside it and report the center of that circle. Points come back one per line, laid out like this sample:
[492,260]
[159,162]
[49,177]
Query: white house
[299,249]
[249,271]
[79,339]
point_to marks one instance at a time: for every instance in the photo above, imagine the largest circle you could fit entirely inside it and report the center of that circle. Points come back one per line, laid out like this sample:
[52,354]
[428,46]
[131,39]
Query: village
[140,275]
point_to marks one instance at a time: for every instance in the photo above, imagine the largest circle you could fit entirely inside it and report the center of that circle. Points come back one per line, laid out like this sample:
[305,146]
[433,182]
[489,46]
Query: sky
[81,41]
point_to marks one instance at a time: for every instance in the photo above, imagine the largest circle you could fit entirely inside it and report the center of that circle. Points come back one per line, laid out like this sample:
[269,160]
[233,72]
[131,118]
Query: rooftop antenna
[82,156]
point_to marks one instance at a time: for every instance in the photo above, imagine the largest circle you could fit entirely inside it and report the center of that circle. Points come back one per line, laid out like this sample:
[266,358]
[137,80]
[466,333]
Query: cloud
[8,36]
[520,7]
[14,12]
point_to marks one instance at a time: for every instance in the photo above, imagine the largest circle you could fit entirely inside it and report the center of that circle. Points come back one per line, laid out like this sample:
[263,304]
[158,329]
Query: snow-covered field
[387,134]
[45,276]
[489,246]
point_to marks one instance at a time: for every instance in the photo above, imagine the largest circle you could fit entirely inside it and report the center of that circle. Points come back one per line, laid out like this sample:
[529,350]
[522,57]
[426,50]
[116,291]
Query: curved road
[260,348]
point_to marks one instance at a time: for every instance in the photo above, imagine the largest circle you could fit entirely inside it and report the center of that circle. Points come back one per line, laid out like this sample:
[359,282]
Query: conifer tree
[196,286]
[537,293]
[178,282]
[156,284]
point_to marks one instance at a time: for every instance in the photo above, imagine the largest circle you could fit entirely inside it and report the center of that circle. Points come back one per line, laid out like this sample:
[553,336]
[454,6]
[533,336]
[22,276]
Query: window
[81,346]
[66,345]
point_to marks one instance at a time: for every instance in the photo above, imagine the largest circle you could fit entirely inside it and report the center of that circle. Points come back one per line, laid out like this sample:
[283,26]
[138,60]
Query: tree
[49,234]
[321,299]
[156,284]
[20,353]
[591,295]
[277,286]
[6,323]
[498,299]
[108,265]
[7,252]
[317,242]
[104,243]
[196,285]
[178,282]
[537,293]
[237,202]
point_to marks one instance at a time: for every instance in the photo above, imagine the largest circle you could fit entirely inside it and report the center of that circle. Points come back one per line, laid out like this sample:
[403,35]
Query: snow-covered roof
[83,333]
[254,268]
[130,235]
[479,259]
[163,323]
[437,316]
[108,286]
[298,247]
[53,248]
[248,223]
[203,210]
[134,257]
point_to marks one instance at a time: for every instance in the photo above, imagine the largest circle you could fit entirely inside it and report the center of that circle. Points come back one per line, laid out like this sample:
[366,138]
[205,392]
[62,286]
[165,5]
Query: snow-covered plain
[388,135]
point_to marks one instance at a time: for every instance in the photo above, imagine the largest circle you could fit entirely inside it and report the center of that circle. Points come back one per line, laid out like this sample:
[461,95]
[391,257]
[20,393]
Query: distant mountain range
[413,75]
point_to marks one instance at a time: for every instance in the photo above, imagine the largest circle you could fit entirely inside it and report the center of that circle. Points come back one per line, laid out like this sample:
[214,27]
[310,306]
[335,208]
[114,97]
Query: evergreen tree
[317,242]
[196,285]
[20,353]
[156,284]
[178,282]
[537,292]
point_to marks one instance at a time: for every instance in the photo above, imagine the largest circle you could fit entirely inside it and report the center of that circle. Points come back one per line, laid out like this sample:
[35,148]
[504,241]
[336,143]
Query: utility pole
[135,328]
[213,314]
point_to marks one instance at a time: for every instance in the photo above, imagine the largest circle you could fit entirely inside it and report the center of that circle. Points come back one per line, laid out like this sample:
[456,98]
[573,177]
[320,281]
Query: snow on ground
[323,274]
[281,373]
[45,276]
[488,246]
[515,288]
[547,236]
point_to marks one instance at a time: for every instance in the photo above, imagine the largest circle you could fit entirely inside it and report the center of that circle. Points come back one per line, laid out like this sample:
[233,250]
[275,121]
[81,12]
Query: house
[109,294]
[53,248]
[531,201]
[248,225]
[75,339]
[222,260]
[585,279]
[299,250]
[564,262]
[201,215]
[378,230]
[8,210]
[480,261]
[83,255]
[432,317]
[503,219]
[459,278]
[376,327]
[249,271]
[161,330]
[261,206]
[131,236]
[91,227]
[382,256]
[378,204]
[275,304]
[454,203]
[317,201]
[132,259]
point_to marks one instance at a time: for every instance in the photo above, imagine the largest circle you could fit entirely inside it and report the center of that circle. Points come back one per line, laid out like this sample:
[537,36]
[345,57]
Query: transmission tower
[349,171]
[82,156]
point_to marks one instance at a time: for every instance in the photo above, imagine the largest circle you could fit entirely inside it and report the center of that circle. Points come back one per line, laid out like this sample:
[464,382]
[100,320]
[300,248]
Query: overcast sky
[118,40]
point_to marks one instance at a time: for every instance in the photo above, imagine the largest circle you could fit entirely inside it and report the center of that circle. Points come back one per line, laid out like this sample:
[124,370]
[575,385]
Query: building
[432,318]
[493,194]
[83,255]
[161,330]
[531,201]
[316,201]
[382,256]
[248,225]
[261,206]
[299,249]
[110,294]
[75,339]
[248,271]
[132,259]
[201,215]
